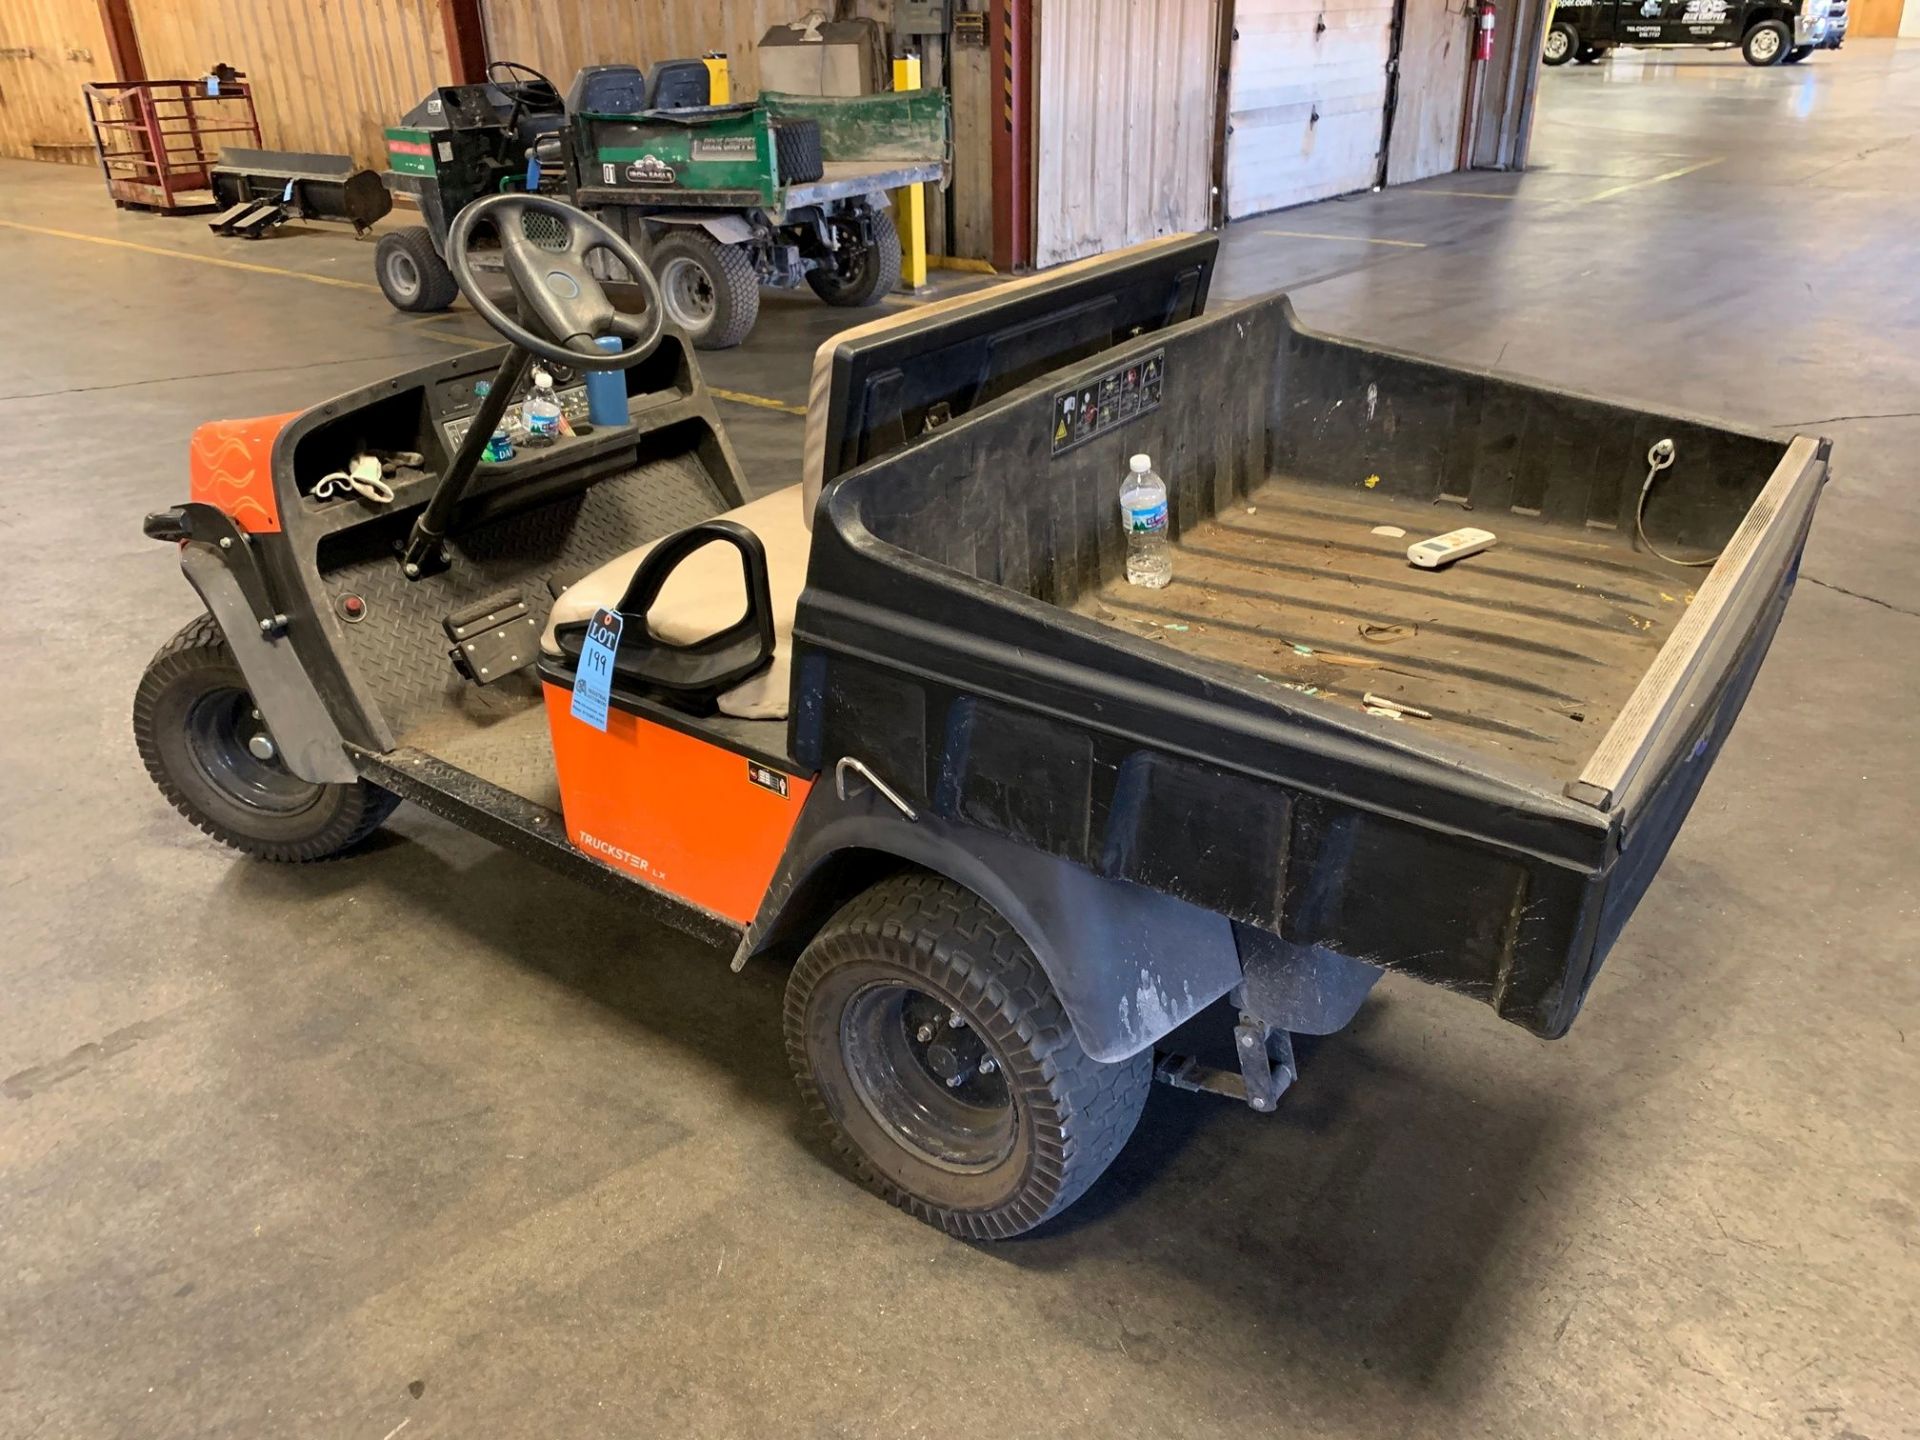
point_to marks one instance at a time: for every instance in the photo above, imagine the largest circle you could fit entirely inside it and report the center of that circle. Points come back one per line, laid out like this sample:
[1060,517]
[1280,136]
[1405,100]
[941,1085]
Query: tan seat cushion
[707,592]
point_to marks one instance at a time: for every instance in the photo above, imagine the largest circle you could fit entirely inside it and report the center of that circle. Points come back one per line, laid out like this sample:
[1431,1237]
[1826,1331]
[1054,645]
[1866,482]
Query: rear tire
[869,1032]
[411,273]
[1591,54]
[192,720]
[869,274]
[1766,43]
[1561,45]
[1796,55]
[710,289]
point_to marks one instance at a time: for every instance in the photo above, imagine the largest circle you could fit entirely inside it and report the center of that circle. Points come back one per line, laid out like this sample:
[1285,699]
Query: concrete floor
[429,1138]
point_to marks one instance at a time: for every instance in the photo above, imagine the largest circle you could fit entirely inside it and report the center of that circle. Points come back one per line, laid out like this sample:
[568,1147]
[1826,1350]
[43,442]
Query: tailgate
[1650,764]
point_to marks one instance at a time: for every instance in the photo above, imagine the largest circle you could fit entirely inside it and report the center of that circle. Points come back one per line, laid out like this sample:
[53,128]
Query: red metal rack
[157,139]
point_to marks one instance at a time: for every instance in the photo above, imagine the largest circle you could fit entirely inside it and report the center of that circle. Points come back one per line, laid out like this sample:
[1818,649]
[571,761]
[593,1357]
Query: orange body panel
[692,818]
[232,469]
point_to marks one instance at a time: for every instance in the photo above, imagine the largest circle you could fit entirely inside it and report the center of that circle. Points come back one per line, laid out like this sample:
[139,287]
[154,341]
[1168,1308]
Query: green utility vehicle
[718,199]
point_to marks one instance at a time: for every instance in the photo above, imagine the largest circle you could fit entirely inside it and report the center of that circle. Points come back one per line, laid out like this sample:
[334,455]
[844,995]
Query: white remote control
[1447,548]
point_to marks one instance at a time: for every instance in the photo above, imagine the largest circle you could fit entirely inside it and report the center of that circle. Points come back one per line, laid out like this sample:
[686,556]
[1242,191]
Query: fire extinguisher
[1483,40]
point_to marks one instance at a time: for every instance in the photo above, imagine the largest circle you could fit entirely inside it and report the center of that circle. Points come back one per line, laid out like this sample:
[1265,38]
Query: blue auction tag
[287,194]
[593,680]
[533,173]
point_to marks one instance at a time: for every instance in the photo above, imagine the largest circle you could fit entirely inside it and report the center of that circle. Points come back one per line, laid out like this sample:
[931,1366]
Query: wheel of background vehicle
[928,1045]
[1591,54]
[1765,43]
[1796,55]
[412,275]
[871,270]
[710,289]
[206,748]
[1562,44]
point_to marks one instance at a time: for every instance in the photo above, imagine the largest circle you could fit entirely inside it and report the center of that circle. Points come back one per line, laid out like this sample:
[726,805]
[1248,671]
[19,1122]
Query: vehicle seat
[679,85]
[608,90]
[707,592]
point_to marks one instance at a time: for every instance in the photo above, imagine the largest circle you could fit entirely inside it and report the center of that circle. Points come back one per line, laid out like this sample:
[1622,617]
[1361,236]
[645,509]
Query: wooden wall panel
[1435,49]
[1873,19]
[558,38]
[48,50]
[970,76]
[328,75]
[1125,126]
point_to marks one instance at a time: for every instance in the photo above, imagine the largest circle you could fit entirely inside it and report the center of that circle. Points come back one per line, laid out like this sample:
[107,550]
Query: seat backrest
[679,85]
[877,386]
[607,90]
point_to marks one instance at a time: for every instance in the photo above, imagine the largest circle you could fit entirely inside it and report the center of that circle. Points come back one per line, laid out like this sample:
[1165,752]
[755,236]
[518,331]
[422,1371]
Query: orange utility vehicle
[904,726]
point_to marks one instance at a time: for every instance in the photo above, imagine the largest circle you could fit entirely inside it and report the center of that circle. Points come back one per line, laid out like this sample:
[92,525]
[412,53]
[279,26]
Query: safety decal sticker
[767,778]
[1111,400]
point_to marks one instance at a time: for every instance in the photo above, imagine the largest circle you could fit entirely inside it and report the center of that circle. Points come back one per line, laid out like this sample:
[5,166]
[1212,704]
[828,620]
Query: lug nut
[957,1081]
[923,1034]
[956,1021]
[988,1066]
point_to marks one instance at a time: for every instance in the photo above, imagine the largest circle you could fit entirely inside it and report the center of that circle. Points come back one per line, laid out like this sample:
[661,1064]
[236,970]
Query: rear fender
[1129,964]
[727,228]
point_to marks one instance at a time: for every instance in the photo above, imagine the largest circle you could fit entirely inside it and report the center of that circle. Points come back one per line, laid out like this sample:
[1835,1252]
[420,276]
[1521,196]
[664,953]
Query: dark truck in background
[1768,32]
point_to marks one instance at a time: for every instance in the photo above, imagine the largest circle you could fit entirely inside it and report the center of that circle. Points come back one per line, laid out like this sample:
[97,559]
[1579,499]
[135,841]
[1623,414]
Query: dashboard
[455,401]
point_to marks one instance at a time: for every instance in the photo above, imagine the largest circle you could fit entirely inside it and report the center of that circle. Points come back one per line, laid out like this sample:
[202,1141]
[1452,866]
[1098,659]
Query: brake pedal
[493,639]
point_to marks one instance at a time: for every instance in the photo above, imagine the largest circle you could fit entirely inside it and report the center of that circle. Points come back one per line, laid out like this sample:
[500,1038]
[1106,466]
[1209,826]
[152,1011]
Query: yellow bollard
[910,201]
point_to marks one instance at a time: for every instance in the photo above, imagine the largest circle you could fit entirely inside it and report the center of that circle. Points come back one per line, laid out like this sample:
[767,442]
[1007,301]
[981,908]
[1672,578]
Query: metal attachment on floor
[1266,1067]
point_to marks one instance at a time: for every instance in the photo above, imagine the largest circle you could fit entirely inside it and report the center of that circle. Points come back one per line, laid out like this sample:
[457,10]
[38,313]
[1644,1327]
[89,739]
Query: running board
[518,824]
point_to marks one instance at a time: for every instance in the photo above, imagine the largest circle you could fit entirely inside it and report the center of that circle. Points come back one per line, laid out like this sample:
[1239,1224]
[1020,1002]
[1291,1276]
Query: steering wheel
[554,285]
[523,77]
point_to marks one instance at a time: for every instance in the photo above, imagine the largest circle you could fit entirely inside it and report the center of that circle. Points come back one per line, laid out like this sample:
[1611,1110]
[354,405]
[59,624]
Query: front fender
[1129,964]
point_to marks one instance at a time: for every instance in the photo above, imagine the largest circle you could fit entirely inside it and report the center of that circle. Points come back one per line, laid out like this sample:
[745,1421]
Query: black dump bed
[969,634]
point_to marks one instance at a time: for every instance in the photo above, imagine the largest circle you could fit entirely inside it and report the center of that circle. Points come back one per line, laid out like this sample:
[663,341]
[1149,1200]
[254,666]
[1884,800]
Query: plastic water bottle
[542,412]
[1143,510]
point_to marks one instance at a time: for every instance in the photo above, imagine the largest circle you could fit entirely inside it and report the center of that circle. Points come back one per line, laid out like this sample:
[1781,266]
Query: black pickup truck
[1768,32]
[905,726]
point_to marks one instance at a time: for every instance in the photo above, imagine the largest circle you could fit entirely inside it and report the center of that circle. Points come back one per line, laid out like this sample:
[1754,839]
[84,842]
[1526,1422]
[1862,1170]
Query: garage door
[1307,98]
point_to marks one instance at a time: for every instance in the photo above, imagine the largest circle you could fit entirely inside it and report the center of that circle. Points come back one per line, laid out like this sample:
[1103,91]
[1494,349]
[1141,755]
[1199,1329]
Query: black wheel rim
[905,1054]
[221,726]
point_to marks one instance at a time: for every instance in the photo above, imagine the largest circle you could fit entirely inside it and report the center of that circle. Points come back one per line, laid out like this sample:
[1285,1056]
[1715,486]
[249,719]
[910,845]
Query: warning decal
[1112,399]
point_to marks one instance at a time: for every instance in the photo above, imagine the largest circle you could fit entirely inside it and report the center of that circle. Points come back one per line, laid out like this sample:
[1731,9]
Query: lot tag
[593,680]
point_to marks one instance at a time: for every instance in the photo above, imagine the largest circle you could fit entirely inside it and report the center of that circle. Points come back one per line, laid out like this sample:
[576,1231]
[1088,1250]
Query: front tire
[1766,43]
[200,738]
[710,289]
[930,1048]
[1561,45]
[411,273]
[869,267]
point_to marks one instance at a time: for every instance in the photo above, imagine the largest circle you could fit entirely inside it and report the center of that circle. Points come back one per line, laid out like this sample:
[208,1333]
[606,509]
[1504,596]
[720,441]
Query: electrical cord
[1659,457]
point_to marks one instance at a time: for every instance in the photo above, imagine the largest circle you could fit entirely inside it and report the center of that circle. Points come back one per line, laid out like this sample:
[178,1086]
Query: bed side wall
[1052,531]
[1480,446]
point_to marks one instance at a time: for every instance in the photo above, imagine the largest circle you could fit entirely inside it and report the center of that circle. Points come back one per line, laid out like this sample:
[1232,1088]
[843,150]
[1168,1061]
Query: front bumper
[1821,33]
